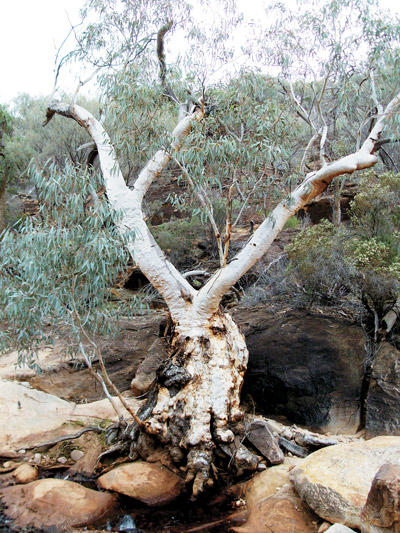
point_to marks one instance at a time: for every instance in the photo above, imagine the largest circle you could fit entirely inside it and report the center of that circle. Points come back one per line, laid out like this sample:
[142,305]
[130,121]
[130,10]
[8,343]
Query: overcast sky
[31,32]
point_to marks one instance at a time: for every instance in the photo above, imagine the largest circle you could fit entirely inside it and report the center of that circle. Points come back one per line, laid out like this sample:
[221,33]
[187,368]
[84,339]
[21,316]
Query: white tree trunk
[197,402]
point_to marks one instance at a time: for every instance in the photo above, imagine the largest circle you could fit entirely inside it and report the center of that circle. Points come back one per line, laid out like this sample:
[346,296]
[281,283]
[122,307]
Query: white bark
[174,288]
[198,399]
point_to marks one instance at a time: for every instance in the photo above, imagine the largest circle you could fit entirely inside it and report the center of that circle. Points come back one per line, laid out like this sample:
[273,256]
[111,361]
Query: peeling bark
[197,399]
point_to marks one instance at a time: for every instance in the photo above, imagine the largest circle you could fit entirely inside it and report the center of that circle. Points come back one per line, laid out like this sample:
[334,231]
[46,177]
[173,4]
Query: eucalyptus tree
[338,62]
[5,131]
[194,409]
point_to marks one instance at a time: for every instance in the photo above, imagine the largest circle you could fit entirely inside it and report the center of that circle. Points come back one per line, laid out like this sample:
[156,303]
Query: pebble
[62,460]
[37,458]
[25,474]
[76,455]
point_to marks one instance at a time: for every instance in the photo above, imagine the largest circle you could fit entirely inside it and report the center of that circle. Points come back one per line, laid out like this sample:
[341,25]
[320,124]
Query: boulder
[381,513]
[335,481]
[280,513]
[25,474]
[55,503]
[273,505]
[29,416]
[305,366]
[151,483]
[383,400]
[261,437]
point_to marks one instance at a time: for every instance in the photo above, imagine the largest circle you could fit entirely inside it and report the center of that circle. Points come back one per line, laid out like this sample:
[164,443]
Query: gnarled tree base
[194,409]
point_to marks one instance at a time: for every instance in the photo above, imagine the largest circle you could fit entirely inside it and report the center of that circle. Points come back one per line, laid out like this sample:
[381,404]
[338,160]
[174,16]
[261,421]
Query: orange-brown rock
[273,505]
[151,483]
[55,503]
[25,473]
[381,513]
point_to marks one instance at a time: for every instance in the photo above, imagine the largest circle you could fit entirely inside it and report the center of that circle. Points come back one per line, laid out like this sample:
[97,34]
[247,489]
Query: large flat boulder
[27,415]
[55,503]
[335,481]
[305,366]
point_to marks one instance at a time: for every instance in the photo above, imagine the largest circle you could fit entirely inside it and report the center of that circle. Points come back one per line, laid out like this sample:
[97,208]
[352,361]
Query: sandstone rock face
[151,483]
[65,379]
[305,366]
[383,401]
[55,503]
[381,513]
[24,411]
[335,481]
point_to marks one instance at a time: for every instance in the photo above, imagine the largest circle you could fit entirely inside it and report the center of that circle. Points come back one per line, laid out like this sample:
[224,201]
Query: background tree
[5,132]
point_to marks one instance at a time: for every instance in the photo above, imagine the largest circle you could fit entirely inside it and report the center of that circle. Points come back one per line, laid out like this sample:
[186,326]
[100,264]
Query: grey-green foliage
[361,257]
[245,141]
[57,269]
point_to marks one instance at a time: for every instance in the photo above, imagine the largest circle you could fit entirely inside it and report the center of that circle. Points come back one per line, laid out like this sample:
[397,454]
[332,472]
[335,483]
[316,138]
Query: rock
[335,481]
[305,366]
[146,372]
[92,445]
[151,483]
[25,474]
[102,409]
[280,513]
[273,505]
[261,437]
[62,460]
[25,411]
[27,415]
[383,400]
[122,356]
[77,454]
[381,513]
[49,358]
[37,458]
[55,503]
[268,482]
[324,526]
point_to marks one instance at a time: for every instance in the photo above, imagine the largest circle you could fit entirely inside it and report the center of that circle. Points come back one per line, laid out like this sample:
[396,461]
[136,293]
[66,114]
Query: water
[127,524]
